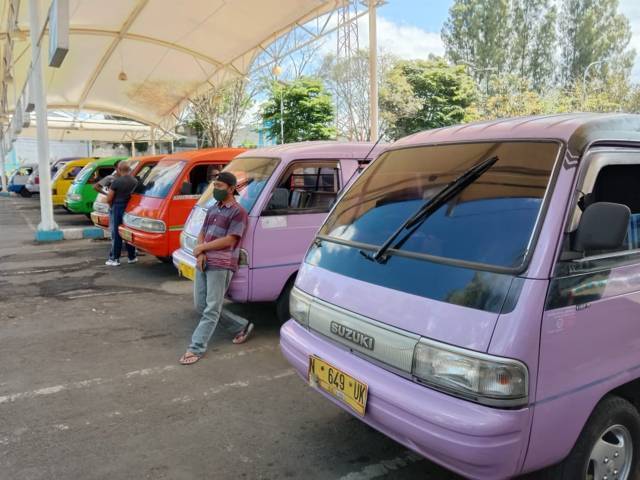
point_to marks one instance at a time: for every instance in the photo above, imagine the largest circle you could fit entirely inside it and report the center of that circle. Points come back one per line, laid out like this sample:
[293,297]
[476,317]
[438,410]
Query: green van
[81,194]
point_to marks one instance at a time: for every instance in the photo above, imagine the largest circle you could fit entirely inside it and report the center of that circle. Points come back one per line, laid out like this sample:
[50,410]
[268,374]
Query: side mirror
[603,226]
[185,189]
[279,199]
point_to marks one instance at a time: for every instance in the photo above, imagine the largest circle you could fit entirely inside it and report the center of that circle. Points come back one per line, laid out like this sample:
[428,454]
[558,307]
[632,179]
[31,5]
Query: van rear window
[490,222]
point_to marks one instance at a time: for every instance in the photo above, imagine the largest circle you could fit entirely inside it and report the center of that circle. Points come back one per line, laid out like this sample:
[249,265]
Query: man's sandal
[189,358]
[244,335]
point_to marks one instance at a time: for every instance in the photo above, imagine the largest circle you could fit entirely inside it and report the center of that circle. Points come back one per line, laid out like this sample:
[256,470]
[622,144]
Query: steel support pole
[3,171]
[133,149]
[373,72]
[153,140]
[47,222]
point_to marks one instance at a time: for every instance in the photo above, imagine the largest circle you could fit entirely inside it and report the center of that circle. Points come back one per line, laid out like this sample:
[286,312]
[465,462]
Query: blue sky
[411,28]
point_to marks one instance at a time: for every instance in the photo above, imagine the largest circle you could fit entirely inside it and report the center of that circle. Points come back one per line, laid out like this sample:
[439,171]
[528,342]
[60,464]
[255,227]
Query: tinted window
[161,179]
[490,222]
[252,175]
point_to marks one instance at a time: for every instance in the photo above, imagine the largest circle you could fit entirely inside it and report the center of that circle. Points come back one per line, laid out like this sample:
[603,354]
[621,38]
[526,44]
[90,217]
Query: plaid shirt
[224,219]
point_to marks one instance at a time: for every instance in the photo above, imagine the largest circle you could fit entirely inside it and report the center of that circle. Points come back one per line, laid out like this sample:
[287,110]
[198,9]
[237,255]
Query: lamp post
[277,71]
[486,69]
[584,78]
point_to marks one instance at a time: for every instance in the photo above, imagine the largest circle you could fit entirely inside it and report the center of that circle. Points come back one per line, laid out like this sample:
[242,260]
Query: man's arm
[110,195]
[217,244]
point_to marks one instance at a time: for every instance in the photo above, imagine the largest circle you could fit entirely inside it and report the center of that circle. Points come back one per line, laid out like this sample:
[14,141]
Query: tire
[165,259]
[25,193]
[282,304]
[613,419]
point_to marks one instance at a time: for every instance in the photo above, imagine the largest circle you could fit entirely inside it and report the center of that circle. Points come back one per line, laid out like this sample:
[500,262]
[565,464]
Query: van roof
[206,154]
[107,161]
[146,158]
[577,130]
[318,149]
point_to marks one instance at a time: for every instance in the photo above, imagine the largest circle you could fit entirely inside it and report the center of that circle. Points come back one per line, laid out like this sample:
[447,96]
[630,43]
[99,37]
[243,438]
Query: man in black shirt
[119,194]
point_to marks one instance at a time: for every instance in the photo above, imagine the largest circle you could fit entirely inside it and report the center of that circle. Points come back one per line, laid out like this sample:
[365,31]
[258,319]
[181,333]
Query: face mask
[220,194]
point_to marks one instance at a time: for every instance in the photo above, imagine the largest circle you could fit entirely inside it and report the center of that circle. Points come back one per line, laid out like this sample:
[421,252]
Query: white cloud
[405,41]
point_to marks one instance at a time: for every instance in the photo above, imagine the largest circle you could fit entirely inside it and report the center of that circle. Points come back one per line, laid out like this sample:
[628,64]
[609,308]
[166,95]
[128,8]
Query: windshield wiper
[433,204]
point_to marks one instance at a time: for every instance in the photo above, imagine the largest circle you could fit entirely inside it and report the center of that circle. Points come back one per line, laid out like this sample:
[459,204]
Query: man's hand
[201,262]
[198,250]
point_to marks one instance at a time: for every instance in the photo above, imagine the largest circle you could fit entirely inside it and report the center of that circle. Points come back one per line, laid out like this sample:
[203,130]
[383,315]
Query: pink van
[287,191]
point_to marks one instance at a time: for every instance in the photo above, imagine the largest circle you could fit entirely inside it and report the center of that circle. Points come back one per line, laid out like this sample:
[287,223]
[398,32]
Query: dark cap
[228,178]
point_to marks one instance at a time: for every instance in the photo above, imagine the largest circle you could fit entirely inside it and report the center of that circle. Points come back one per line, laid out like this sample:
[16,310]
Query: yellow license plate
[340,385]
[187,271]
[126,235]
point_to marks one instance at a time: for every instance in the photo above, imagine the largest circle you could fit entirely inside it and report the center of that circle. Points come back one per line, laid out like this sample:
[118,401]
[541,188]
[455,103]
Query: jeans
[208,296]
[115,220]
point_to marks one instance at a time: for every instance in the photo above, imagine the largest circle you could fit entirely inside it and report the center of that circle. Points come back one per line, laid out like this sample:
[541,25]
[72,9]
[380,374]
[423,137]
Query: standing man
[217,254]
[103,185]
[118,196]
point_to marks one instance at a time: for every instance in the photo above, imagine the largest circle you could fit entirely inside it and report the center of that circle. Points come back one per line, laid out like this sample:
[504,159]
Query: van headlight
[299,306]
[479,377]
[74,197]
[243,260]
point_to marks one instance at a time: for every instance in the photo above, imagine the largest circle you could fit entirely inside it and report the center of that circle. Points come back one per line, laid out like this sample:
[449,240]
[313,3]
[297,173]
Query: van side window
[306,188]
[619,184]
[100,173]
[201,175]
[71,174]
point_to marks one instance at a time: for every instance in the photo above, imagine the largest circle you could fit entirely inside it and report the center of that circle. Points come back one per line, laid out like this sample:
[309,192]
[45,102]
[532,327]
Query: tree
[308,111]
[533,41]
[477,34]
[216,114]
[348,82]
[424,94]
[594,30]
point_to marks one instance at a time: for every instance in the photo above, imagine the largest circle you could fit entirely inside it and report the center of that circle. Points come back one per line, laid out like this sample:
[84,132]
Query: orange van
[156,213]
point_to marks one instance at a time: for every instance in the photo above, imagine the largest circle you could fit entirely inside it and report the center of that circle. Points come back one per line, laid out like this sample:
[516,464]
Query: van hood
[417,315]
[143,206]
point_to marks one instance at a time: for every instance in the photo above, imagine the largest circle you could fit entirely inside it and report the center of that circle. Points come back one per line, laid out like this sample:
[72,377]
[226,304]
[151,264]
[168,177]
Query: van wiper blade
[433,204]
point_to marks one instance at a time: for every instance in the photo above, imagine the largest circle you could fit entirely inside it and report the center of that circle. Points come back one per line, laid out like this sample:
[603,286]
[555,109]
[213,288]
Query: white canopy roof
[168,49]
[99,130]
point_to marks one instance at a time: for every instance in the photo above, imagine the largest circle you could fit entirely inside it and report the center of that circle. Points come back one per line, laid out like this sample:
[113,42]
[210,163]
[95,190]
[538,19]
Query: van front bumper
[239,287]
[153,243]
[473,440]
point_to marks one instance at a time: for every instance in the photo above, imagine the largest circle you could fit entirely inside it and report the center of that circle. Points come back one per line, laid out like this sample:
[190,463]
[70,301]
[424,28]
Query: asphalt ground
[90,386]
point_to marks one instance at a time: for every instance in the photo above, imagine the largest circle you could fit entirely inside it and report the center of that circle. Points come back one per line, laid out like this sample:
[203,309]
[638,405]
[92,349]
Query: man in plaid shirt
[217,254]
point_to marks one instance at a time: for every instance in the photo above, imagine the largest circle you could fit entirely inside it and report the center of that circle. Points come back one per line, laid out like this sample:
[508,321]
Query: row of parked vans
[474,292]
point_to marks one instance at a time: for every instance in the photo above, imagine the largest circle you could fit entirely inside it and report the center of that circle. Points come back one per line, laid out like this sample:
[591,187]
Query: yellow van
[64,177]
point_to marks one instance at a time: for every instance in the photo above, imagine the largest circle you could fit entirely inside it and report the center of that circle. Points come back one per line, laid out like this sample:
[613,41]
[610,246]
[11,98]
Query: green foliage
[477,32]
[308,111]
[423,94]
[594,30]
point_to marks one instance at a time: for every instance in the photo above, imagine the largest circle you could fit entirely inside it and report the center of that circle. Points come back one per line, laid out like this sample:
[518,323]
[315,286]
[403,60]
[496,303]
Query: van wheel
[165,259]
[24,192]
[282,304]
[607,446]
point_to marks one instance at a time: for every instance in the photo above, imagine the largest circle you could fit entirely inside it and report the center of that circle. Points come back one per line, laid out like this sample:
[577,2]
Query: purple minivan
[288,191]
[475,295]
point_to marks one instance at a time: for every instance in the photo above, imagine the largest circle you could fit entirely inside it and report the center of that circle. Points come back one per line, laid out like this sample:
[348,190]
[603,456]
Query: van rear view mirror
[603,226]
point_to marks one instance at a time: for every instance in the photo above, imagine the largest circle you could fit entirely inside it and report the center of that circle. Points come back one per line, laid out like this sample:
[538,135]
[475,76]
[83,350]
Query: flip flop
[243,336]
[189,358]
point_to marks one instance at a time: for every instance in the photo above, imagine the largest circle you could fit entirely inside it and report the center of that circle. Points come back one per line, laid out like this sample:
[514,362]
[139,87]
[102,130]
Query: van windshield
[84,174]
[490,222]
[160,180]
[252,175]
